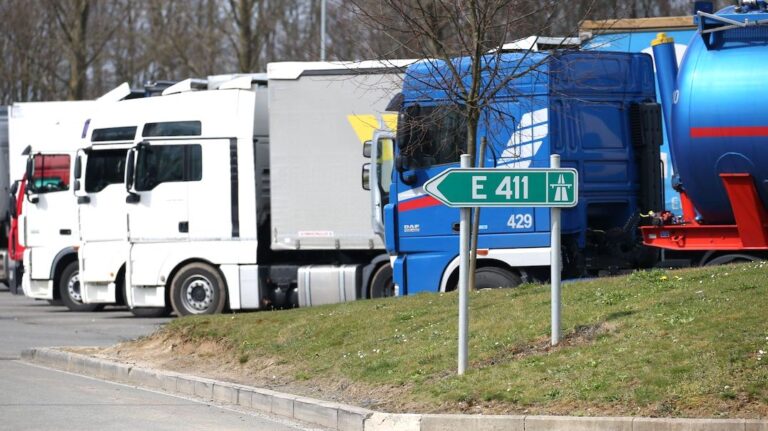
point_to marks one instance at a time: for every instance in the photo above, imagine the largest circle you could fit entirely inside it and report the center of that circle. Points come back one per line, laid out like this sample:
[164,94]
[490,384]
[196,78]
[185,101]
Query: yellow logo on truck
[365,125]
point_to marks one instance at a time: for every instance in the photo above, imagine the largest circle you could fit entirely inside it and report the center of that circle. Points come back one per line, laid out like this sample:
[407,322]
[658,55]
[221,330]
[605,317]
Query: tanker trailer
[718,134]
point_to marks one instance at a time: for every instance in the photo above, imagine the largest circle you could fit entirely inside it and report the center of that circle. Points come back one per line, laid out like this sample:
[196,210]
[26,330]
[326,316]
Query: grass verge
[659,343]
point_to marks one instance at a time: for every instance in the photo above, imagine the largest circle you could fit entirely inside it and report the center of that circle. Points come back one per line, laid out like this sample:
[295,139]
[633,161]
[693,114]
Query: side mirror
[78,167]
[30,190]
[367,149]
[132,197]
[402,163]
[129,169]
[366,175]
[29,171]
[405,125]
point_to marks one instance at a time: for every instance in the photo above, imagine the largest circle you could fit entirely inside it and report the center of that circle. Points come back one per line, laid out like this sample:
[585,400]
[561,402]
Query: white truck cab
[100,191]
[50,134]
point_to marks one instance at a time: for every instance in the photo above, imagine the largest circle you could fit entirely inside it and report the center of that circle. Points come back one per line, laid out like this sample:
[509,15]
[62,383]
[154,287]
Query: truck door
[213,204]
[102,198]
[157,210]
[49,219]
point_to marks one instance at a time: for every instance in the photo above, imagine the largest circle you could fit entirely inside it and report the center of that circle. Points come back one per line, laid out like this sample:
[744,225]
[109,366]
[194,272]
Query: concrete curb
[350,418]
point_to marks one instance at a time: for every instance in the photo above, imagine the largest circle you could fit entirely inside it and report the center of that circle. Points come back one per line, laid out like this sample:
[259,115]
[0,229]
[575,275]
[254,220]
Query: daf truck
[596,110]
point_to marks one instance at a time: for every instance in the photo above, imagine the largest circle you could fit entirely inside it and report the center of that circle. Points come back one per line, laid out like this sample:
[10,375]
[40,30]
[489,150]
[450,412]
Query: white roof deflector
[118,93]
[189,84]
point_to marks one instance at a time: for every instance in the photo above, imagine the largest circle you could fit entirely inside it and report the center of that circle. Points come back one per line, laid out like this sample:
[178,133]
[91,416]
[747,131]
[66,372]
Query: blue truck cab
[597,110]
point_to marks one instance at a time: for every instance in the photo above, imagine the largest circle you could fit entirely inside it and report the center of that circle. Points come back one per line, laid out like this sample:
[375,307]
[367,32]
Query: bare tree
[252,21]
[82,48]
[83,38]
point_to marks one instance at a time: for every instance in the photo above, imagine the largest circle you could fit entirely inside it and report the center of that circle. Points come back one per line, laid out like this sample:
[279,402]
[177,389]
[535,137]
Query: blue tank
[719,112]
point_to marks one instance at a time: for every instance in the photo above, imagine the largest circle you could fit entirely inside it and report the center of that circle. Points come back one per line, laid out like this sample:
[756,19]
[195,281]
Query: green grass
[659,343]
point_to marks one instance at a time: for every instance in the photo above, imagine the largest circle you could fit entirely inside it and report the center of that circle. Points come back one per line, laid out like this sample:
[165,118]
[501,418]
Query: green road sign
[461,187]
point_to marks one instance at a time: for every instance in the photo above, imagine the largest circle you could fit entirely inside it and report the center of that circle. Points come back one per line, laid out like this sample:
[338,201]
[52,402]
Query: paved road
[36,398]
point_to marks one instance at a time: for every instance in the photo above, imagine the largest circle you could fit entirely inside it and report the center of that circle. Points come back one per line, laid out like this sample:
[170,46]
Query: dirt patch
[542,346]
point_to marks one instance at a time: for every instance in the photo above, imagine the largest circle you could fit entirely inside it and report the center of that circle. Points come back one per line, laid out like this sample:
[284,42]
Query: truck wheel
[382,285]
[731,258]
[151,312]
[490,277]
[69,290]
[198,289]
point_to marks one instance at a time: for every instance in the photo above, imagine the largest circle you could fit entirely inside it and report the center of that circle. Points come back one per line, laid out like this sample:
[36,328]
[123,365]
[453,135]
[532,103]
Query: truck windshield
[104,167]
[433,135]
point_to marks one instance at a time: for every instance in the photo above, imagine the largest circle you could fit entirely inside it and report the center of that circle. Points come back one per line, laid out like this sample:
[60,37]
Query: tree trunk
[475,224]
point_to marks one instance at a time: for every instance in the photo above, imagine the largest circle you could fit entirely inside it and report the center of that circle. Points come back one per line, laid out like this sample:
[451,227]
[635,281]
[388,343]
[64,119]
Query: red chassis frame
[750,232]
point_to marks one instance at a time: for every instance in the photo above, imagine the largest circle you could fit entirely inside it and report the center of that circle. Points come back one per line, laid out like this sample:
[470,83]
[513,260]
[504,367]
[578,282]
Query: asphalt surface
[36,398]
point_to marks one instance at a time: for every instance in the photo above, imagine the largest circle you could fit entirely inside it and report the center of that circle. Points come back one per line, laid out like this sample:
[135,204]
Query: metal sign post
[467,187]
[554,263]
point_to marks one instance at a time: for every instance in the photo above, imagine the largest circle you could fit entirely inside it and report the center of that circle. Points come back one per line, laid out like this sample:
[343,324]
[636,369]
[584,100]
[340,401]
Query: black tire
[69,290]
[198,288]
[151,312]
[732,258]
[491,277]
[382,284]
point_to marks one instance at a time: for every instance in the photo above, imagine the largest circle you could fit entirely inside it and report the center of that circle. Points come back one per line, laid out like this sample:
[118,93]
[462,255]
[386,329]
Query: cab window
[50,173]
[157,164]
[104,167]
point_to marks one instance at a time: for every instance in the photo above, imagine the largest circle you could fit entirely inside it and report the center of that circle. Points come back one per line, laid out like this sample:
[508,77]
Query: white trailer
[47,135]
[233,207]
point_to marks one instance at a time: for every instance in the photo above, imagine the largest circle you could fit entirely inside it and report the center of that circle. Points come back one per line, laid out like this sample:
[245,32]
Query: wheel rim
[197,293]
[73,288]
